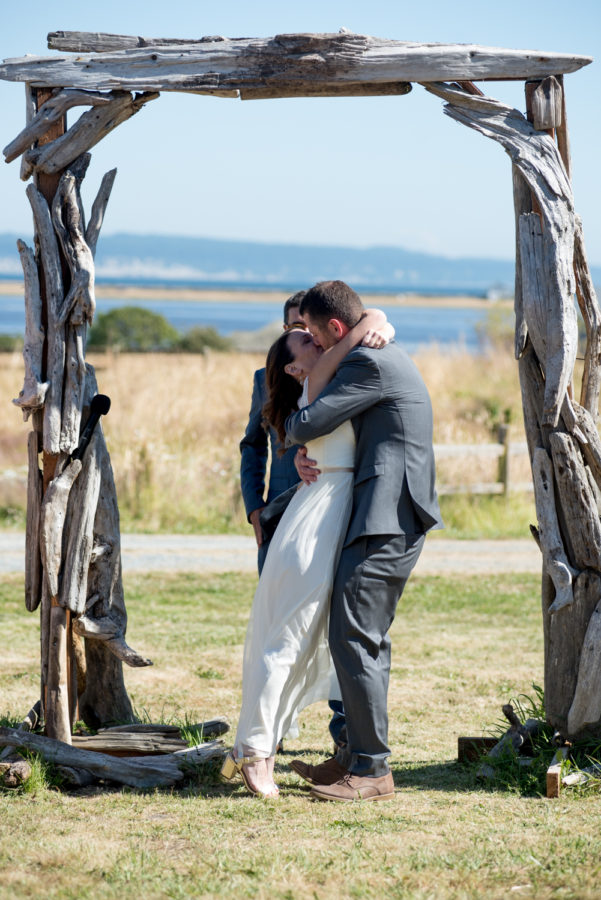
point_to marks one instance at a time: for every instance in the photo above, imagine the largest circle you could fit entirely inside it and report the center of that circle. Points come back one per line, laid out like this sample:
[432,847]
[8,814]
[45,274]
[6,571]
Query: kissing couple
[344,546]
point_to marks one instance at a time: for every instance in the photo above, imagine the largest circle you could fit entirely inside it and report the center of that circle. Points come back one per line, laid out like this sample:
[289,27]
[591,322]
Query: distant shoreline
[277,297]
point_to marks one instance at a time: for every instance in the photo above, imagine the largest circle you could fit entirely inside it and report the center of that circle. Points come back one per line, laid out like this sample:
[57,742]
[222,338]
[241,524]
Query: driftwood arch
[73,556]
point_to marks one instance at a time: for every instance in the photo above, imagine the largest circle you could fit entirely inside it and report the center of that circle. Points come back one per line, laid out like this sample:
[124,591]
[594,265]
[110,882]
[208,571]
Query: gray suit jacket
[253,450]
[384,395]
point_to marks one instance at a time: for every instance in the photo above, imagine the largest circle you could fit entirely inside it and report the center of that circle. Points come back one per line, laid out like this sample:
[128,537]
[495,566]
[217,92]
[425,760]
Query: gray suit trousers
[370,579]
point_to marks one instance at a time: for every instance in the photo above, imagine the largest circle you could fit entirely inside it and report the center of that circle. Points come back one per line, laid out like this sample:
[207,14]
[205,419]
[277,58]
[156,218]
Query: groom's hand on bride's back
[306,468]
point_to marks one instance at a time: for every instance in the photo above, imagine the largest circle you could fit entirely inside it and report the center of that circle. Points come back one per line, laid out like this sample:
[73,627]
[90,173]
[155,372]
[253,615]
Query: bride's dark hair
[283,390]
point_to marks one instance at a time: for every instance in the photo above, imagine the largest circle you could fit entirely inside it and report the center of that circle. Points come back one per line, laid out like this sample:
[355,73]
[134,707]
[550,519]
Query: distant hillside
[135,258]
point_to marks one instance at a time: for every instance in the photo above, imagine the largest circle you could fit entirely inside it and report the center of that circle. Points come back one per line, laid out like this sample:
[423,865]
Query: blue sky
[367,171]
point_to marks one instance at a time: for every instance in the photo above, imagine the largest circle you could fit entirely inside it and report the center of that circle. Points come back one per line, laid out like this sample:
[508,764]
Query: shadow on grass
[444,776]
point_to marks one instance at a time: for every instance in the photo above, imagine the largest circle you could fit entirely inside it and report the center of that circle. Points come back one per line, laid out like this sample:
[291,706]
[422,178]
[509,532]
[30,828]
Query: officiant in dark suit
[255,447]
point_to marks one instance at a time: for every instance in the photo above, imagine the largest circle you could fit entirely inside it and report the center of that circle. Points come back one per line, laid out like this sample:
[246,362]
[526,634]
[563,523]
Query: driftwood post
[54,619]
[73,563]
[562,437]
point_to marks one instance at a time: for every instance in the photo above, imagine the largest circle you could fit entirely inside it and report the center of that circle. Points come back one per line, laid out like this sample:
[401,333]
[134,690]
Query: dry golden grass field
[176,421]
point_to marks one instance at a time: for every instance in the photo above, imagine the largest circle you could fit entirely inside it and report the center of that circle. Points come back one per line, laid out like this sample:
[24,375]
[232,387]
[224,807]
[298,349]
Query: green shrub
[199,339]
[132,328]
[10,342]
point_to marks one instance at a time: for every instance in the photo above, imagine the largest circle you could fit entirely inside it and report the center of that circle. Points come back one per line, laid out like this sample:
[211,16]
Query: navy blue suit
[254,448]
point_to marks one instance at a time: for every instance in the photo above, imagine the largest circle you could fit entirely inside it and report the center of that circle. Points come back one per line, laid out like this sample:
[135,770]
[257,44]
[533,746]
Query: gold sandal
[232,767]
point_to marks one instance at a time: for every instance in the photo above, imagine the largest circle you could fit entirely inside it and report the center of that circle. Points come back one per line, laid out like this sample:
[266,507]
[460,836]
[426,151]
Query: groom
[394,505]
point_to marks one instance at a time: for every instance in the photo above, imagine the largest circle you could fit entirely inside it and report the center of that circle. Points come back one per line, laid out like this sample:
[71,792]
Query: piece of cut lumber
[554,773]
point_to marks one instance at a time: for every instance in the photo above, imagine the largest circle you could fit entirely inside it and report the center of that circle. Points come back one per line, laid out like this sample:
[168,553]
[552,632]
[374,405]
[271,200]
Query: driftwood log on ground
[14,771]
[210,728]
[130,744]
[140,772]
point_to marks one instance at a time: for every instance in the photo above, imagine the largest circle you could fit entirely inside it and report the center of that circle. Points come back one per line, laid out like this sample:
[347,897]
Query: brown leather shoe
[355,787]
[327,772]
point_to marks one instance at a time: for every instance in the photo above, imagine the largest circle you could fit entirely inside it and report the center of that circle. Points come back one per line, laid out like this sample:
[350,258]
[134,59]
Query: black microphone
[99,406]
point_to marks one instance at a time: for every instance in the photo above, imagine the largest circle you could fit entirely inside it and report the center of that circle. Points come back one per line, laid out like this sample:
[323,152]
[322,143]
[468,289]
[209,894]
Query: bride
[287,663]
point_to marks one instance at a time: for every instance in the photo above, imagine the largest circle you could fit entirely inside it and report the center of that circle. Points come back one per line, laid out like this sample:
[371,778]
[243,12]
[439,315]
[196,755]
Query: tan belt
[335,468]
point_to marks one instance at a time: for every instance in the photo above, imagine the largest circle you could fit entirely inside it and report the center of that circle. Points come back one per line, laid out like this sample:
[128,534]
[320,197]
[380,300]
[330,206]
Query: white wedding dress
[287,663]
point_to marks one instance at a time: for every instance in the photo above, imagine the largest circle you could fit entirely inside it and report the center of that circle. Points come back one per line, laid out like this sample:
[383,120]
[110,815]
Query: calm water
[415,325]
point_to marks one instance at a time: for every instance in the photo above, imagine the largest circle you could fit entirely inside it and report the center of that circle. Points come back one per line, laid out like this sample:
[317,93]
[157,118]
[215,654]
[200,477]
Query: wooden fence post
[504,464]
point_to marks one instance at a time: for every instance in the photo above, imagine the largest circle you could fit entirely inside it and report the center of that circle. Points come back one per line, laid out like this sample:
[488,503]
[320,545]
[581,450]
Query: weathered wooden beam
[307,59]
[89,129]
[49,113]
[394,88]
[544,103]
[101,42]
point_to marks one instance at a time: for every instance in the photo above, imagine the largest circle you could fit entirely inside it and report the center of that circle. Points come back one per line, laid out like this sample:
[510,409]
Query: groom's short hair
[332,300]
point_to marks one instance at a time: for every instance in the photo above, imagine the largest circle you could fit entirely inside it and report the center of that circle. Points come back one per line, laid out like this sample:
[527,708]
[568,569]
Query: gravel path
[234,553]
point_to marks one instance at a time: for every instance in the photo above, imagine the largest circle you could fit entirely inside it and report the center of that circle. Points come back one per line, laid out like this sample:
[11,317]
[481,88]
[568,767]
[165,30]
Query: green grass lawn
[461,648]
